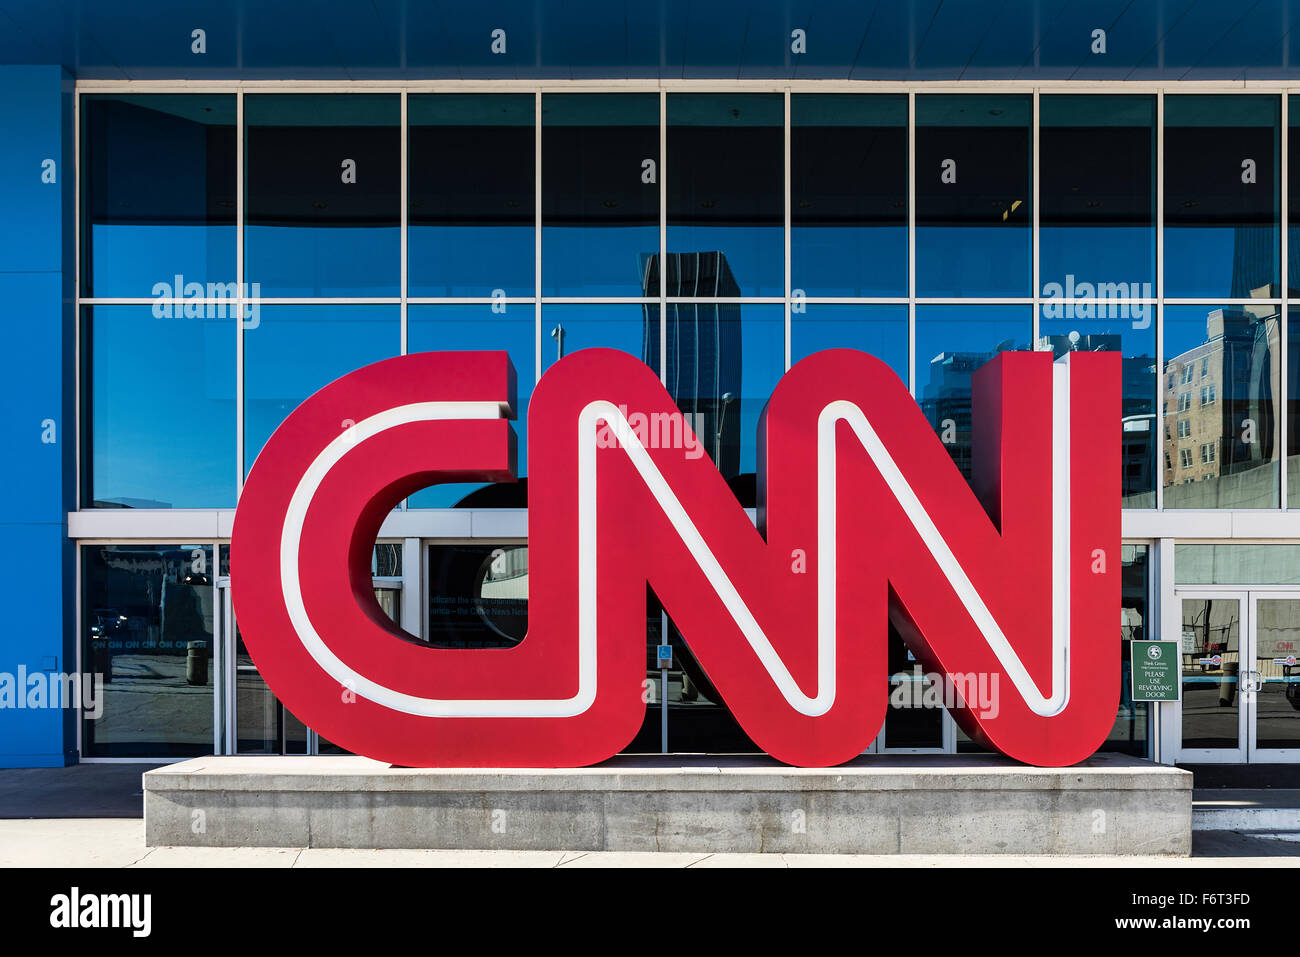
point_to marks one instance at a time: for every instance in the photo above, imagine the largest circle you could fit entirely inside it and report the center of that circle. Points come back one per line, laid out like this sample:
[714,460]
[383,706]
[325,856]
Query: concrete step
[1264,811]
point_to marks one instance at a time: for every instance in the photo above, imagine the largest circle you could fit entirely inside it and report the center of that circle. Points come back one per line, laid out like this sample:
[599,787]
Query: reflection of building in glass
[1138,421]
[702,371]
[946,400]
[1221,422]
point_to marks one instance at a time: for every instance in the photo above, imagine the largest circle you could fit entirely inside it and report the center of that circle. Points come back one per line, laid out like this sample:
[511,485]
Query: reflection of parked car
[109,626]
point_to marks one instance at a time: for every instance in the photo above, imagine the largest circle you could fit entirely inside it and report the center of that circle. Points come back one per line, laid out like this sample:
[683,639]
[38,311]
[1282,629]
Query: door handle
[1252,681]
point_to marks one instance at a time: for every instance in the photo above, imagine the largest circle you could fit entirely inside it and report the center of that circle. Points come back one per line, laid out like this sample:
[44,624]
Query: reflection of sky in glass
[878,330]
[726,185]
[162,409]
[471,194]
[599,215]
[970,329]
[142,228]
[1221,235]
[1098,254]
[566,329]
[973,200]
[848,194]
[296,350]
[473,327]
[323,205]
[1097,190]
[324,261]
[849,260]
[130,260]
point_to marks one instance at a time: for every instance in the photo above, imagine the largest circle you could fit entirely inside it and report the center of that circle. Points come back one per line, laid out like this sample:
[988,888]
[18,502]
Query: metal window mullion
[786,230]
[239,294]
[1034,222]
[1283,313]
[1160,302]
[663,236]
[77,356]
[537,234]
[403,223]
[911,243]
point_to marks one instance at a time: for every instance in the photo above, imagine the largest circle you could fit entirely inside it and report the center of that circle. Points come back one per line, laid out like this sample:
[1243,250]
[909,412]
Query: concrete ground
[90,815]
[109,842]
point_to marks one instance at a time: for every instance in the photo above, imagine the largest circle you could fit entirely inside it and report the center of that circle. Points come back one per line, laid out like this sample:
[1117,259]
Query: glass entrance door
[255,722]
[1213,719]
[1240,681]
[1273,678]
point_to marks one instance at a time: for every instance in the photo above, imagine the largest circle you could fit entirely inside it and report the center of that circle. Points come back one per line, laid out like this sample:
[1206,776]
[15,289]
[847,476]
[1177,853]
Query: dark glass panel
[147,630]
[472,195]
[848,194]
[323,214]
[973,195]
[1222,195]
[726,189]
[478,594]
[600,193]
[1097,193]
[157,193]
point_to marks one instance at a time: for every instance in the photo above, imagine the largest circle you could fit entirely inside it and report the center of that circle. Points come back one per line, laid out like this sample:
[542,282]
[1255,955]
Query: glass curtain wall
[718,236]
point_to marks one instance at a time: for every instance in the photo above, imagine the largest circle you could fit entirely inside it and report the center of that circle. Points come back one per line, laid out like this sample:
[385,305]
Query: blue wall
[37,601]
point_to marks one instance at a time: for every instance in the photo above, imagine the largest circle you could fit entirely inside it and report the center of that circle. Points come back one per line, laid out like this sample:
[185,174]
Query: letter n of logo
[997,584]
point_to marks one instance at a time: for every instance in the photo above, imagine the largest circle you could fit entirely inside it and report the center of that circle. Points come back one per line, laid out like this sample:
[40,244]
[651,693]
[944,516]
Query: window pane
[1130,331]
[1097,189]
[726,189]
[147,628]
[951,343]
[628,327]
[1220,395]
[478,594]
[1293,411]
[293,351]
[1221,196]
[972,195]
[159,405]
[324,194]
[600,193]
[1129,733]
[724,360]
[878,330]
[140,228]
[473,327]
[1237,564]
[848,195]
[471,193]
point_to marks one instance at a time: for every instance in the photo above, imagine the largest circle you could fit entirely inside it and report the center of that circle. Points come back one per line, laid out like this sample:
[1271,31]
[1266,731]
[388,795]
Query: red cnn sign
[863,521]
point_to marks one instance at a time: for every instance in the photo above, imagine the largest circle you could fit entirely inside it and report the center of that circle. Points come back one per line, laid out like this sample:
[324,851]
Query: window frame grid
[665,88]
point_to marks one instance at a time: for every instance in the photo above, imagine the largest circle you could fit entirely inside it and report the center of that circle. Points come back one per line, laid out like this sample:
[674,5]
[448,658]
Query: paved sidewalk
[81,842]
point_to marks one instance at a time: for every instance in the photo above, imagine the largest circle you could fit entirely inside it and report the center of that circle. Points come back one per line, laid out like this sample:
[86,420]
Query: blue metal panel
[865,39]
[36,581]
[35,568]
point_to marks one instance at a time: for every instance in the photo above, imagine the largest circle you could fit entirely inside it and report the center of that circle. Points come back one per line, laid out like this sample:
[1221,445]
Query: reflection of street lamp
[558,335]
[727,398]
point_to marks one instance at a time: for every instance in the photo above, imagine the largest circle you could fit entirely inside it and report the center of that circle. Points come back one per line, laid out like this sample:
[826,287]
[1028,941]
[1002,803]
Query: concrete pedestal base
[879,804]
